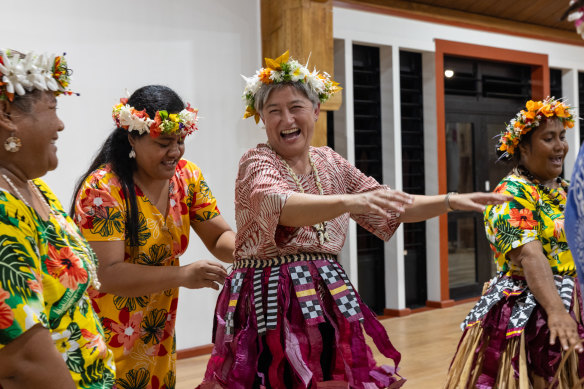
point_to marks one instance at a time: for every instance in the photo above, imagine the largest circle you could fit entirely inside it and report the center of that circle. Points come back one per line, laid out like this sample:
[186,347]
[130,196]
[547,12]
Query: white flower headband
[284,69]
[129,118]
[21,74]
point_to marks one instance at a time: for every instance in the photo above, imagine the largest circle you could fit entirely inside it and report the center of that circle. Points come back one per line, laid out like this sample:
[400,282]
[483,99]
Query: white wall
[197,47]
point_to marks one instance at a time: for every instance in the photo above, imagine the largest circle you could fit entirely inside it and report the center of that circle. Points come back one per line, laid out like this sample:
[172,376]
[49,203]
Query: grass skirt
[505,343]
[296,324]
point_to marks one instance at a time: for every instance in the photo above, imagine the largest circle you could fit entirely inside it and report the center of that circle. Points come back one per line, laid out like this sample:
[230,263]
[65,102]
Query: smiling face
[156,158]
[544,155]
[38,131]
[289,117]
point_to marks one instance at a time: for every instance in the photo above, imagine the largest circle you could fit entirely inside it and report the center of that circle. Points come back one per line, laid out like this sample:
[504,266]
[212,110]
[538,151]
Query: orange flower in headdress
[265,75]
[533,105]
[547,110]
[527,120]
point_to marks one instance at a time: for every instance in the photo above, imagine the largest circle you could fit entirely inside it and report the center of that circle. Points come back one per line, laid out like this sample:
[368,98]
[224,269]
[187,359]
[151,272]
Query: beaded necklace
[555,199]
[91,268]
[319,227]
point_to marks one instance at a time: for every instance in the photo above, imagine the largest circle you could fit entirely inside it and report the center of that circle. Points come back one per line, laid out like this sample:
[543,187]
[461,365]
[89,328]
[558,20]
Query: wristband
[447,201]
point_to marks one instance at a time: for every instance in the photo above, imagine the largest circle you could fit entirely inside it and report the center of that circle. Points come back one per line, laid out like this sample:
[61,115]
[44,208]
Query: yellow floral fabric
[140,330]
[531,215]
[44,280]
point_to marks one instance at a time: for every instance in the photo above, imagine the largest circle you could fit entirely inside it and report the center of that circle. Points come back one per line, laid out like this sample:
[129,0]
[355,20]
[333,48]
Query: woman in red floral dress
[135,205]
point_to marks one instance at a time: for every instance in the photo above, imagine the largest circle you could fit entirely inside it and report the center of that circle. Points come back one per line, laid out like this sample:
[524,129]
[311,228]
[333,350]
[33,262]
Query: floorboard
[427,341]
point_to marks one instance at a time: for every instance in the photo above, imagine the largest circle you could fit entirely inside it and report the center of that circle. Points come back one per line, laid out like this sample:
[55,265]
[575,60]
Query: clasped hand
[203,274]
[381,200]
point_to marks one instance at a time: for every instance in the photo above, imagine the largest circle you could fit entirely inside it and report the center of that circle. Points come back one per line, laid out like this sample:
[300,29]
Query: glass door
[471,166]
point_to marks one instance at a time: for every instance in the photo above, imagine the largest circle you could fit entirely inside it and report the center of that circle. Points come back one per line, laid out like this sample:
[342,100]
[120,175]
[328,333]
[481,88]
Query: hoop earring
[12,143]
[132,153]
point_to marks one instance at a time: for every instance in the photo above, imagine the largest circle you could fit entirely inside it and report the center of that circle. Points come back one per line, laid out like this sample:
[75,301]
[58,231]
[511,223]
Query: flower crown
[284,69]
[527,120]
[20,74]
[129,118]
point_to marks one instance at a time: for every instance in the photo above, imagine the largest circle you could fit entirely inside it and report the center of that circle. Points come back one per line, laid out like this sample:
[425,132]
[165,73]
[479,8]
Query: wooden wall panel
[305,28]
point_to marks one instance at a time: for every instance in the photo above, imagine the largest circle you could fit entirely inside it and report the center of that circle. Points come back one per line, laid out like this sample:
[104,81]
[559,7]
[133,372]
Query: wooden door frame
[540,84]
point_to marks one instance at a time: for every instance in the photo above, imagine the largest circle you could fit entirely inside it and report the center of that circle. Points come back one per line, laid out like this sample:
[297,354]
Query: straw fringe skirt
[296,322]
[505,343]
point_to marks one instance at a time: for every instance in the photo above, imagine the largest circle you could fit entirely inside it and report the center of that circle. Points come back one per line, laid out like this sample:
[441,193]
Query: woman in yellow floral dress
[135,205]
[530,316]
[50,336]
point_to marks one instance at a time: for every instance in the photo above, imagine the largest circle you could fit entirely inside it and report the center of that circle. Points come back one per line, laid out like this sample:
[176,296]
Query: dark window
[412,134]
[367,111]
[556,83]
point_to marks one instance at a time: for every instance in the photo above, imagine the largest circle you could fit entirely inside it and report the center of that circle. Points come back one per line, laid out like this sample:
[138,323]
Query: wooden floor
[426,340]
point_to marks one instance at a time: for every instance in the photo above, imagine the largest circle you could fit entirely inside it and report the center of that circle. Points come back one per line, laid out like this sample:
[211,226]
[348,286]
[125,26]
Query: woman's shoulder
[48,193]
[261,155]
[187,170]
[261,151]
[102,177]
[325,152]
[14,213]
[513,183]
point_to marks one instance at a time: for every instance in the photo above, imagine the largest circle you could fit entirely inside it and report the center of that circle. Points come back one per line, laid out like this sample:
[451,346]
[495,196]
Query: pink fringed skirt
[505,343]
[295,322]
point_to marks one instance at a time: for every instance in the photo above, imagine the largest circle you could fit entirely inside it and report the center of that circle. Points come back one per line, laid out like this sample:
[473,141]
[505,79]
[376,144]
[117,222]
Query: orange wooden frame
[540,79]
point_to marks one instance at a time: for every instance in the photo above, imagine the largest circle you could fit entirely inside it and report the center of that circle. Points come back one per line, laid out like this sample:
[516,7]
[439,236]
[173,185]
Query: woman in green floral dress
[529,317]
[50,336]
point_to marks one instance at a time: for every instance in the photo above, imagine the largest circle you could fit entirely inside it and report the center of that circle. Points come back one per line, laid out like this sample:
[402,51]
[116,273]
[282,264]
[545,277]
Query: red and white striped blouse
[262,187]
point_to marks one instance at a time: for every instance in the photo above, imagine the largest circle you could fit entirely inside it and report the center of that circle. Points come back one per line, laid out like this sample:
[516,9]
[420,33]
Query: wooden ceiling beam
[413,10]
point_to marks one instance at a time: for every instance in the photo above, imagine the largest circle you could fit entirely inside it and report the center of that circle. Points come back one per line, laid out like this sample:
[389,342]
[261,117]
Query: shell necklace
[320,228]
[87,258]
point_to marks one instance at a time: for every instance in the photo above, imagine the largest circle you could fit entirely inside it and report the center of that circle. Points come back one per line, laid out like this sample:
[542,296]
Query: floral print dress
[529,216]
[506,337]
[140,330]
[44,280]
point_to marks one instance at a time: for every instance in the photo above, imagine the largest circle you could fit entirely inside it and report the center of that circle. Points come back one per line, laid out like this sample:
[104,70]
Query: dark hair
[116,149]
[26,102]
[516,157]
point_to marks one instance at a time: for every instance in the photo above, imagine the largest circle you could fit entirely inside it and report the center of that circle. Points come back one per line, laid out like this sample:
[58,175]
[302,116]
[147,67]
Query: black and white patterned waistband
[277,261]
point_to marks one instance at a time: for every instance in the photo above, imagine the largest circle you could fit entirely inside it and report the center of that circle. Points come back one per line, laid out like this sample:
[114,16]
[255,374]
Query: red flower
[6,314]
[94,203]
[66,266]
[502,188]
[127,331]
[95,342]
[522,218]
[155,127]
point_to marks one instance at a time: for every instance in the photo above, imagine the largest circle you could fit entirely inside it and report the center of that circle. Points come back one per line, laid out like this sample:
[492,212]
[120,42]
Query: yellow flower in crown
[286,70]
[527,120]
[276,64]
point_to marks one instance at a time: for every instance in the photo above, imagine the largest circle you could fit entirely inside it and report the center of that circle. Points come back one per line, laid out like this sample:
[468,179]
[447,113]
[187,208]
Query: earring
[132,153]
[12,143]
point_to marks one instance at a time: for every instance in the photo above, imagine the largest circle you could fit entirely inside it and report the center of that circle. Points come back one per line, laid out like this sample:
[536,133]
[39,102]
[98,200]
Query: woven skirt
[505,343]
[296,322]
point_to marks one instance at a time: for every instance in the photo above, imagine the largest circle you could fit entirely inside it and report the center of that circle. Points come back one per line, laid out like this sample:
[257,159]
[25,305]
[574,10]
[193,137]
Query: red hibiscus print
[6,314]
[66,266]
[522,218]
